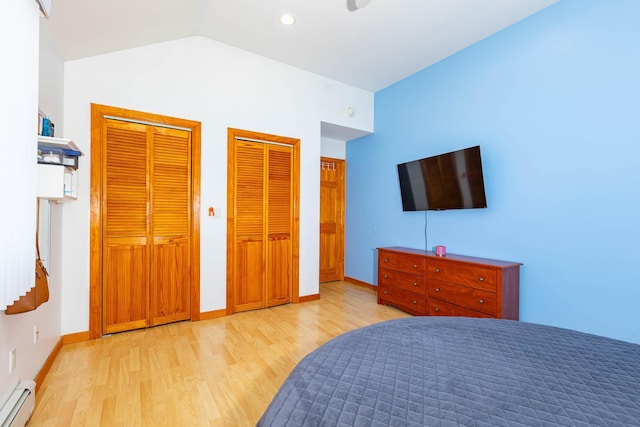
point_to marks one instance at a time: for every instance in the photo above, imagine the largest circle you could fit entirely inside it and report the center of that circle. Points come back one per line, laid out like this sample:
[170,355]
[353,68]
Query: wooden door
[262,245]
[170,224]
[279,224]
[125,271]
[249,244]
[332,209]
[146,223]
[144,220]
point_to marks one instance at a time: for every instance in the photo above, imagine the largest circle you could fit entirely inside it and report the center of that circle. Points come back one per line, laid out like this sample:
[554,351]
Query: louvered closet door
[170,225]
[263,225]
[250,226]
[146,222]
[279,224]
[125,271]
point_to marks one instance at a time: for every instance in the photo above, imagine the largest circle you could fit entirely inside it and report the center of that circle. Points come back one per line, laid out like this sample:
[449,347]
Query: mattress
[448,371]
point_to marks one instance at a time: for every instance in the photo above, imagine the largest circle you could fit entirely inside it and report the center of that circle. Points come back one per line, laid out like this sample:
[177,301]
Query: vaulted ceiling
[370,48]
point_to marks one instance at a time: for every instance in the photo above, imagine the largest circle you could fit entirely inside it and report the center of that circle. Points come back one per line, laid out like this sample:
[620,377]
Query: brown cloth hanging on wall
[39,294]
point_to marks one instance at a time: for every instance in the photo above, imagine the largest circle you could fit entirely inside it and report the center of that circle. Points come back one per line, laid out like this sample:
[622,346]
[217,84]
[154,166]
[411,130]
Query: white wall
[221,86]
[333,148]
[50,101]
[51,79]
[19,39]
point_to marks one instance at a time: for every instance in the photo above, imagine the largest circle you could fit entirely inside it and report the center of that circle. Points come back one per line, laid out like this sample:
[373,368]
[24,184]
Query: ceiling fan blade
[354,5]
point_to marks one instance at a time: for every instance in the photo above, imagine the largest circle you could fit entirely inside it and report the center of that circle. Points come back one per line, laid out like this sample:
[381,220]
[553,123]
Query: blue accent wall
[554,103]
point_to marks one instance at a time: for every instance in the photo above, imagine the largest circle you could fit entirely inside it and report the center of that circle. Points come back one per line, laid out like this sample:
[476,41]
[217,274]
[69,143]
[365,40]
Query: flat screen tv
[447,181]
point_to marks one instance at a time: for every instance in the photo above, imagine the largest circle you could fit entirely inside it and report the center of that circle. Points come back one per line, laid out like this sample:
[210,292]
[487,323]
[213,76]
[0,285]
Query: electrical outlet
[12,360]
[36,333]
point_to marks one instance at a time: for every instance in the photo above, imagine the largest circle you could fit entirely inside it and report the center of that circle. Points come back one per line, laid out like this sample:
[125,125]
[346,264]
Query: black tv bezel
[409,200]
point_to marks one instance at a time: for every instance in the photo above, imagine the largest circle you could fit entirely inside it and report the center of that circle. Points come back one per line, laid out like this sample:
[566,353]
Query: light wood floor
[219,372]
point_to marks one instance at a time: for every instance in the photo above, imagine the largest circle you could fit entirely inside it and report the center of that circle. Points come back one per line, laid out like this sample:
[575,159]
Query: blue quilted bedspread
[439,371]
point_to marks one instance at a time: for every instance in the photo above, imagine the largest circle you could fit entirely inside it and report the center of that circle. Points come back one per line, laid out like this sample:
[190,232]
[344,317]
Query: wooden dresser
[421,283]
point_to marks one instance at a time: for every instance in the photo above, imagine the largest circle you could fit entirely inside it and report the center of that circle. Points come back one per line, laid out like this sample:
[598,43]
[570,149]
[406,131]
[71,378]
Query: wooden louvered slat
[280,190]
[171,182]
[125,182]
[249,199]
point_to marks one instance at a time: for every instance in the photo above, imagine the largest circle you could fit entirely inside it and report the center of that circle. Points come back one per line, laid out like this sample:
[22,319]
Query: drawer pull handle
[437,309]
[415,302]
[415,283]
[481,279]
[385,292]
[437,270]
[437,289]
[415,265]
[386,260]
[481,301]
[386,276]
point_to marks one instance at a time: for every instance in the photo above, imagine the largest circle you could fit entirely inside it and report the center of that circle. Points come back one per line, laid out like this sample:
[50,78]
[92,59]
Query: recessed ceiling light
[287,19]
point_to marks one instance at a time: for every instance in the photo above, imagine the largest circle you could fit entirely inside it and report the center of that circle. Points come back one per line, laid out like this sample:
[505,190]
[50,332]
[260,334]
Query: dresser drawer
[410,302]
[464,296]
[436,307]
[400,279]
[408,263]
[478,277]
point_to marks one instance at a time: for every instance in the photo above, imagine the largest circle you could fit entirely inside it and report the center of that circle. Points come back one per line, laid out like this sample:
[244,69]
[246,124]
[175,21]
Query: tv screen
[447,181]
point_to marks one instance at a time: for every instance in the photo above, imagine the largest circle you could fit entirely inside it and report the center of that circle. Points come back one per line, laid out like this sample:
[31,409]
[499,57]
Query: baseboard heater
[18,409]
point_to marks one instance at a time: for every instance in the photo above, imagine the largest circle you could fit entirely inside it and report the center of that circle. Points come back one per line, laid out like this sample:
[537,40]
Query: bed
[449,371]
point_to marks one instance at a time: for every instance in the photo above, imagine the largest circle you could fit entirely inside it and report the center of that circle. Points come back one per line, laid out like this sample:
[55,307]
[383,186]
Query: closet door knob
[386,276]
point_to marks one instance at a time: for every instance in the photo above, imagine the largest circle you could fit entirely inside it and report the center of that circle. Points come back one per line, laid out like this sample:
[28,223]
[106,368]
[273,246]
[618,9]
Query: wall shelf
[57,182]
[61,143]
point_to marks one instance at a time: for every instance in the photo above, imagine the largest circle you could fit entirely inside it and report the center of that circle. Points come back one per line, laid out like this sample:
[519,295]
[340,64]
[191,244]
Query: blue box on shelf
[58,156]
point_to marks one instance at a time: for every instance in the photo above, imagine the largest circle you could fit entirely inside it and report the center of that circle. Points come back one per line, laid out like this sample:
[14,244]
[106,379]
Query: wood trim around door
[98,113]
[232,134]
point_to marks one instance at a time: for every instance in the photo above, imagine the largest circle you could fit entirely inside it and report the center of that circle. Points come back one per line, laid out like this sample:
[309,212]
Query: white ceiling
[370,48]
